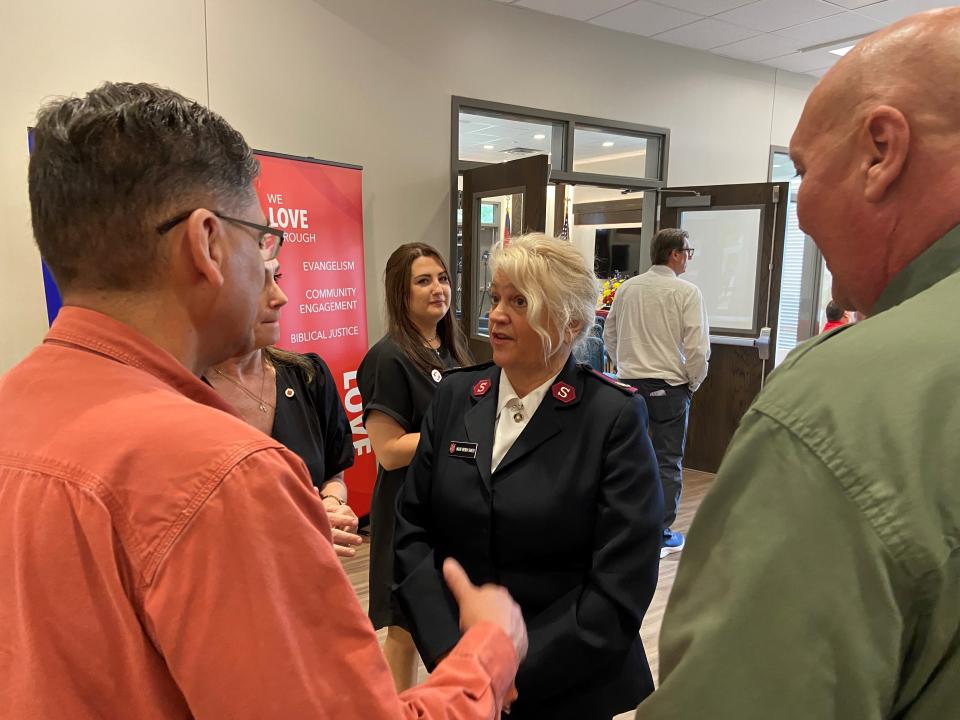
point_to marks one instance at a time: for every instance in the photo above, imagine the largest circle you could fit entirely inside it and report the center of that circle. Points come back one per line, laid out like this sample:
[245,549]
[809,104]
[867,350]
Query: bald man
[821,577]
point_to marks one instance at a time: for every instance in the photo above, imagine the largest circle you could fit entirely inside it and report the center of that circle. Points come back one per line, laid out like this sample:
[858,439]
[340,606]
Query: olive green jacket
[821,578]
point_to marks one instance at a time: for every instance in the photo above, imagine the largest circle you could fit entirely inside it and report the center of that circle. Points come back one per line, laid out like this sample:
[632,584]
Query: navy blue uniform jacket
[569,523]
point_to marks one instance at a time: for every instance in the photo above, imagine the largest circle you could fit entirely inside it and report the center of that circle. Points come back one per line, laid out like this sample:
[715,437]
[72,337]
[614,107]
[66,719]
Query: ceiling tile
[758,48]
[770,15]
[853,4]
[705,34]
[828,29]
[804,62]
[576,9]
[705,7]
[893,10]
[645,18]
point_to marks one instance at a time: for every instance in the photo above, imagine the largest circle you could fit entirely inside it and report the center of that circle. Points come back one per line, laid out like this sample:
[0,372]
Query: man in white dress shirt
[658,336]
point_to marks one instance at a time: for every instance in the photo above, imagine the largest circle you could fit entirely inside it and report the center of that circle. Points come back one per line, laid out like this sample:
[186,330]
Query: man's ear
[888,143]
[205,249]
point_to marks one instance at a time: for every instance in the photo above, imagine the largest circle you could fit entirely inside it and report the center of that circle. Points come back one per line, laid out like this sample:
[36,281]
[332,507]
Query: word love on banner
[290,220]
[319,207]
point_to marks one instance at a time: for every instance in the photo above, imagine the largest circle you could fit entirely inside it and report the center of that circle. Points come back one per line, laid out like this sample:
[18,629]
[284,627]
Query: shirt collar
[94,332]
[934,264]
[662,270]
[531,401]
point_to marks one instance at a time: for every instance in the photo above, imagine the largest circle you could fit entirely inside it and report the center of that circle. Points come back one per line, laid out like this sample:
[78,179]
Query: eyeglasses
[269,239]
[688,251]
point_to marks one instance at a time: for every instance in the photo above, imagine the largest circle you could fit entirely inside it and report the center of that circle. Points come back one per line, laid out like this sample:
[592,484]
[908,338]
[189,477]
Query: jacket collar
[547,421]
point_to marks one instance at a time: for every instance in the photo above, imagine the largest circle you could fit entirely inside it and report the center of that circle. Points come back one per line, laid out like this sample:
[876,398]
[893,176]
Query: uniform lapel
[548,420]
[480,420]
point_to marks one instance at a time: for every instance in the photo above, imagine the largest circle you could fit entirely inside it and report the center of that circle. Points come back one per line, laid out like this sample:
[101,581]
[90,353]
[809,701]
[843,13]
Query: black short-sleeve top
[310,419]
[390,382]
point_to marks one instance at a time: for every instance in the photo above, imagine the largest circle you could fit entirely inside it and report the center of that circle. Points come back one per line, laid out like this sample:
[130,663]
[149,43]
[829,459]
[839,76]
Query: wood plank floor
[695,486]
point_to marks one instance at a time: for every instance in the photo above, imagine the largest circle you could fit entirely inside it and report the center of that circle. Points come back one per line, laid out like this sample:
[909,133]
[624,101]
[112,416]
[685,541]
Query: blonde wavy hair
[560,289]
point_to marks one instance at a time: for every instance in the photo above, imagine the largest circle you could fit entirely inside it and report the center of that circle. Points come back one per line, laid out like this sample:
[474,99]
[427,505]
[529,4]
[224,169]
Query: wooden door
[733,229]
[518,190]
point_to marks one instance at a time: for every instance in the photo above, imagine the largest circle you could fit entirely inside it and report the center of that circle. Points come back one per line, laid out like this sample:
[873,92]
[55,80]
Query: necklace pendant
[518,416]
[263,408]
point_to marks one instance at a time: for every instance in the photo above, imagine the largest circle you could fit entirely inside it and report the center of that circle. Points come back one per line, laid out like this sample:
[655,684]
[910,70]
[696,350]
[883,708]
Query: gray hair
[109,167]
[561,291]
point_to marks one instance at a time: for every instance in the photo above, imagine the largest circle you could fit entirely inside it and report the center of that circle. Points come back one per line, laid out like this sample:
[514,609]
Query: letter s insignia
[563,392]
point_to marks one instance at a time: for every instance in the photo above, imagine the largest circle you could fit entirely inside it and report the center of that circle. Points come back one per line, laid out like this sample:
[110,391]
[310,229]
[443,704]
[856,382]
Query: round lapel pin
[437,375]
[289,392]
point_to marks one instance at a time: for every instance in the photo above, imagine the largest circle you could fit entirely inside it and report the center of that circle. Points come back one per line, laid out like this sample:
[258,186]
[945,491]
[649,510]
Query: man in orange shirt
[161,558]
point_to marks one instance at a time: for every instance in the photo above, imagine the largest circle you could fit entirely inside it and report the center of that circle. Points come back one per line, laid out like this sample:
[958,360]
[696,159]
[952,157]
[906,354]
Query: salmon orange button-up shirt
[159,558]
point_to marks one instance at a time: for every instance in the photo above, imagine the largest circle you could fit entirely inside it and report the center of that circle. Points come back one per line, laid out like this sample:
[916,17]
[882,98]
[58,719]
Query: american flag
[565,229]
[506,228]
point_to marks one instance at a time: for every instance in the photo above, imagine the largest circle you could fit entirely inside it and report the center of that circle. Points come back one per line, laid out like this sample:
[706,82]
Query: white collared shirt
[506,429]
[658,328]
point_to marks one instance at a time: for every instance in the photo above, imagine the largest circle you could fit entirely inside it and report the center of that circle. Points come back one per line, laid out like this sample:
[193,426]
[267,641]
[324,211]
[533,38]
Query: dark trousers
[668,407]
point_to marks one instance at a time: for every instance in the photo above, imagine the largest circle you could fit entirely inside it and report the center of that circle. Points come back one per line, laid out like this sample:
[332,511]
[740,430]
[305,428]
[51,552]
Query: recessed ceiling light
[842,51]
[608,143]
[539,136]
[488,147]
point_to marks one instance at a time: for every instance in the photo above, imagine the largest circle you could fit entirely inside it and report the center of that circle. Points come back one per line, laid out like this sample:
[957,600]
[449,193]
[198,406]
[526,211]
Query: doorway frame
[811,277]
[561,173]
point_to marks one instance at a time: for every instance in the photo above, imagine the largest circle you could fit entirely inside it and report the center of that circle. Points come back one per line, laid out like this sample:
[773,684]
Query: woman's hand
[343,526]
[343,520]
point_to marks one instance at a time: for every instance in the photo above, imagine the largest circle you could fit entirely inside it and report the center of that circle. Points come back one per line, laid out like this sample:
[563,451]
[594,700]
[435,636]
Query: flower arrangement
[608,290]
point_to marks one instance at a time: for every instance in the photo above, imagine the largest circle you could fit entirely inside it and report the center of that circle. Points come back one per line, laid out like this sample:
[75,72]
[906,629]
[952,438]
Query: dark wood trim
[527,176]
[609,212]
[559,208]
[609,206]
[736,373]
[634,217]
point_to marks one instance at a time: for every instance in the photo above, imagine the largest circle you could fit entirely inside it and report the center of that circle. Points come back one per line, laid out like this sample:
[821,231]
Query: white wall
[369,82]
[52,48]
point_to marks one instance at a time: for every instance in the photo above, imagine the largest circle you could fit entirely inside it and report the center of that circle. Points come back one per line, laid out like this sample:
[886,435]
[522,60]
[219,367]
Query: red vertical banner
[320,208]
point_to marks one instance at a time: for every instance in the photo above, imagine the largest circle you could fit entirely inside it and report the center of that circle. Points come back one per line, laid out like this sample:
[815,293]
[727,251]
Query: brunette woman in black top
[293,398]
[397,380]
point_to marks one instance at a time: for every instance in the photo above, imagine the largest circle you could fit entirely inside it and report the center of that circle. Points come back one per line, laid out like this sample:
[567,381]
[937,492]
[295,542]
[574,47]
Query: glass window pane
[551,200]
[494,216]
[491,138]
[826,295]
[727,244]
[608,152]
[794,248]
[605,224]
